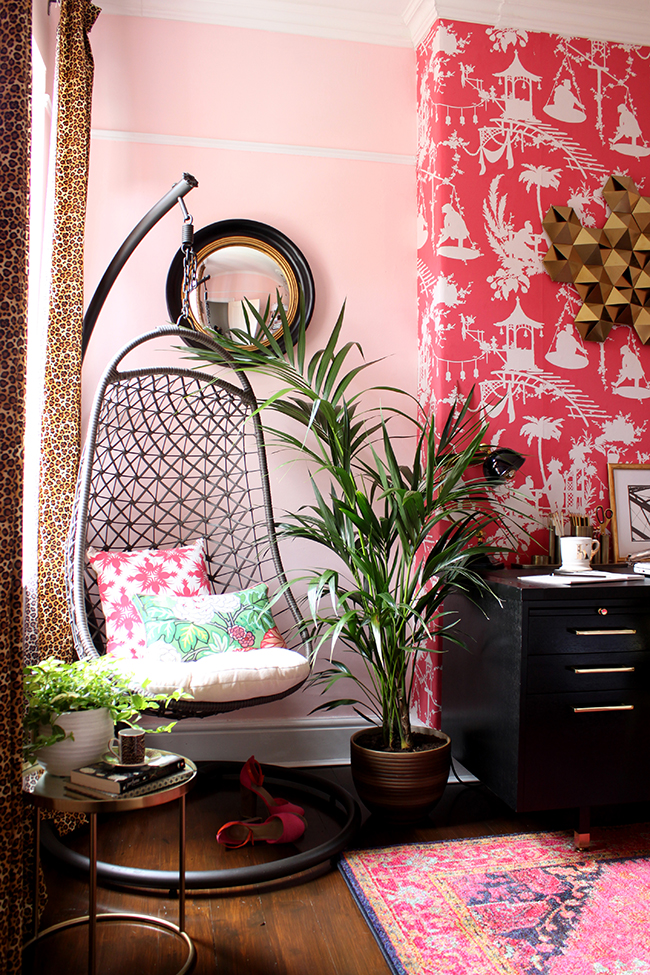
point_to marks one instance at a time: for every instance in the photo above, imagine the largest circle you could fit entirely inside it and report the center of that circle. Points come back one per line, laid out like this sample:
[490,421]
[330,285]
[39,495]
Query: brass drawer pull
[603,632]
[606,707]
[602,670]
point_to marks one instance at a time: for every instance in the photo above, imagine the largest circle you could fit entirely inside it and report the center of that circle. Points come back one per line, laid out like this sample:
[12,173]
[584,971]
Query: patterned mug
[128,748]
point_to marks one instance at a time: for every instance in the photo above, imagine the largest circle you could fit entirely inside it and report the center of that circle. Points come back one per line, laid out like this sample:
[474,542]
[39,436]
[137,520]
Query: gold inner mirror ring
[262,248]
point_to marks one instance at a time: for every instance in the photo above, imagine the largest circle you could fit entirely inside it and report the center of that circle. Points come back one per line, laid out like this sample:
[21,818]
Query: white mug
[577,552]
[128,748]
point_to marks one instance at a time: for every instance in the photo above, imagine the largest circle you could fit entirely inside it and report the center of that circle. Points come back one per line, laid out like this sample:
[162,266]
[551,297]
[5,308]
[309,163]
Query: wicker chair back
[174,454]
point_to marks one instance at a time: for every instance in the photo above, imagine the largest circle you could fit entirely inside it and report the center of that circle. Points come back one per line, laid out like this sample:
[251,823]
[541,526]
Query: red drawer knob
[602,611]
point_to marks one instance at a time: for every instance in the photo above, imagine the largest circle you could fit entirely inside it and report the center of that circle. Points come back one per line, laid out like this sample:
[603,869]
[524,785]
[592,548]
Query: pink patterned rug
[521,904]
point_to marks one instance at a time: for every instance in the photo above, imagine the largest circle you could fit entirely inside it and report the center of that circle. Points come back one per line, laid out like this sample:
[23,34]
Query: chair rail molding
[403,23]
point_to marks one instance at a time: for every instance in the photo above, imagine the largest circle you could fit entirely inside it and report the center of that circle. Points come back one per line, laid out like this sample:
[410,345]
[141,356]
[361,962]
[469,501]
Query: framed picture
[629,498]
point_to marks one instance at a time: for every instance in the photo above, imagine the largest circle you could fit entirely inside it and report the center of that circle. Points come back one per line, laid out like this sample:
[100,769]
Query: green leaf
[189,634]
[164,630]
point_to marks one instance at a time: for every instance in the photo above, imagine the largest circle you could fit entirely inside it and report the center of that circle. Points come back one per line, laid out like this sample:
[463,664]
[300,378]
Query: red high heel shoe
[251,778]
[281,827]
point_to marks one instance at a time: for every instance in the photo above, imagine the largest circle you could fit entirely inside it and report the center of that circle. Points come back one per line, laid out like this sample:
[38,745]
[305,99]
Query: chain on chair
[190,282]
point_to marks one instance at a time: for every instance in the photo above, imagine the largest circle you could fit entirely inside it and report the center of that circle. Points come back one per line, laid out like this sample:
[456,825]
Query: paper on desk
[581,578]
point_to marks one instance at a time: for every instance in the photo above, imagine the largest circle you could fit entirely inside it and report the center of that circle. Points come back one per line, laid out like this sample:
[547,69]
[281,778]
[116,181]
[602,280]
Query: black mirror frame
[248,233]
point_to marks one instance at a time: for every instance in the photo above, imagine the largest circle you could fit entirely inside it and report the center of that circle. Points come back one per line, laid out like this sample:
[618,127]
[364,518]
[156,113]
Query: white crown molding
[410,21]
[334,22]
[600,20]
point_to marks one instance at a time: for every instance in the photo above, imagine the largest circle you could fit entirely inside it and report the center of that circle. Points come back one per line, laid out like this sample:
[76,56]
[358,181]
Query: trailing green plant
[406,534]
[53,687]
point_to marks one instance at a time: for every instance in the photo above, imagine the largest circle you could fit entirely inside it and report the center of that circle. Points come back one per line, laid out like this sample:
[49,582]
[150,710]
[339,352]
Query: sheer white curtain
[55,336]
[40,253]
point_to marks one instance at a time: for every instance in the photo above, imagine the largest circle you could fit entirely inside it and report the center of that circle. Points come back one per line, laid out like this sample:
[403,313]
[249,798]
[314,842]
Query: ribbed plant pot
[400,787]
[92,732]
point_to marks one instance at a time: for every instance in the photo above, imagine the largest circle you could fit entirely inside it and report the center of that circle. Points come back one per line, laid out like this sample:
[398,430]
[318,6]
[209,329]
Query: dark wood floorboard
[297,926]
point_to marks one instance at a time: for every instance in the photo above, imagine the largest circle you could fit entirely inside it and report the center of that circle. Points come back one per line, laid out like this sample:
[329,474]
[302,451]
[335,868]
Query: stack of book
[105,780]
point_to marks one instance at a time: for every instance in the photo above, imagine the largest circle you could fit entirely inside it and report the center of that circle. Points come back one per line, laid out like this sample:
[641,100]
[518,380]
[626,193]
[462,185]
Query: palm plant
[405,534]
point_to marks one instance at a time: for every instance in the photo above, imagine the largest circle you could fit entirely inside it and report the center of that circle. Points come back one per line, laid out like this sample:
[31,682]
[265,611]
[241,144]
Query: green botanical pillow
[192,627]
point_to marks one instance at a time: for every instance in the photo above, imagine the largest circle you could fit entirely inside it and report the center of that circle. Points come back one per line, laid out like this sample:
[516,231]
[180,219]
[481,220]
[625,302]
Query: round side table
[49,793]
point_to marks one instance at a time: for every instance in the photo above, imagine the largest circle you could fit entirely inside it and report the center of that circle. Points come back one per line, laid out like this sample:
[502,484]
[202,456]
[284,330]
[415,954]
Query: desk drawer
[594,629]
[593,756]
[555,673]
[566,714]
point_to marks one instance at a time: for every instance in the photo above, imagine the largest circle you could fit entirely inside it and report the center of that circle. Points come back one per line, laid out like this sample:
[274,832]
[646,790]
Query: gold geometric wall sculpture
[610,268]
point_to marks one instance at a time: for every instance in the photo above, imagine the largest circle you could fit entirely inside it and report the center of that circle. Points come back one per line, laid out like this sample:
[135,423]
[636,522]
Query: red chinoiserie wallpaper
[512,122]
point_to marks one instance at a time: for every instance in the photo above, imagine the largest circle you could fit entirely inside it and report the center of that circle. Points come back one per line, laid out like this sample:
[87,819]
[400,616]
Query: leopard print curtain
[15,84]
[62,384]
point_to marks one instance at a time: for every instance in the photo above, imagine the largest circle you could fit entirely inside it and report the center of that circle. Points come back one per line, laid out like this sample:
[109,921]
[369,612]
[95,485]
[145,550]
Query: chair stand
[329,797]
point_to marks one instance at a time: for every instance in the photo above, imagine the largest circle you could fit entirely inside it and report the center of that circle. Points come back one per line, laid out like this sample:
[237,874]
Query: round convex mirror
[242,261]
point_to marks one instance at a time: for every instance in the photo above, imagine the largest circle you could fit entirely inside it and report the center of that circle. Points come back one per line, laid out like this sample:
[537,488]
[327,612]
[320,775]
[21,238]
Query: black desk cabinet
[549,705]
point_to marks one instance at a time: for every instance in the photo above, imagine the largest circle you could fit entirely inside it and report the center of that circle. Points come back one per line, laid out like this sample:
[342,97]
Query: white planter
[92,732]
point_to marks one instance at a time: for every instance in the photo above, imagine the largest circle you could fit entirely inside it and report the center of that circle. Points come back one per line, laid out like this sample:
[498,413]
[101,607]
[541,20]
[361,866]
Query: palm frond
[404,531]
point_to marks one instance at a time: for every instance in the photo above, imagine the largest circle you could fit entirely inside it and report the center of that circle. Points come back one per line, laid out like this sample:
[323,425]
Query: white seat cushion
[223,677]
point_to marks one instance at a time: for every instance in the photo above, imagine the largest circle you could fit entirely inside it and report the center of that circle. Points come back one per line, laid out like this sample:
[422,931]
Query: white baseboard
[286,741]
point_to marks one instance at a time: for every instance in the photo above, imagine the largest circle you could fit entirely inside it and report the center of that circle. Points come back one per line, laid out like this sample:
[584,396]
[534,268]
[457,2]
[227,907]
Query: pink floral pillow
[155,572]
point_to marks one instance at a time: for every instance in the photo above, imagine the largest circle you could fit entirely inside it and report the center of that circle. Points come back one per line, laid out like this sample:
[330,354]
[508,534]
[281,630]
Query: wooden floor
[308,925]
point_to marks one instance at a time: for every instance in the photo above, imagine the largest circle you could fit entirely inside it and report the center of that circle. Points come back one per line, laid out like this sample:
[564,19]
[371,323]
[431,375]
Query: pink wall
[286,106]
[488,168]
[318,139]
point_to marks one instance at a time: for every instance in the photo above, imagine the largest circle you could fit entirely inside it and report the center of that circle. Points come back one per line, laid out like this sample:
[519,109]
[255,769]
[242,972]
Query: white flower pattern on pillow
[165,653]
[204,611]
